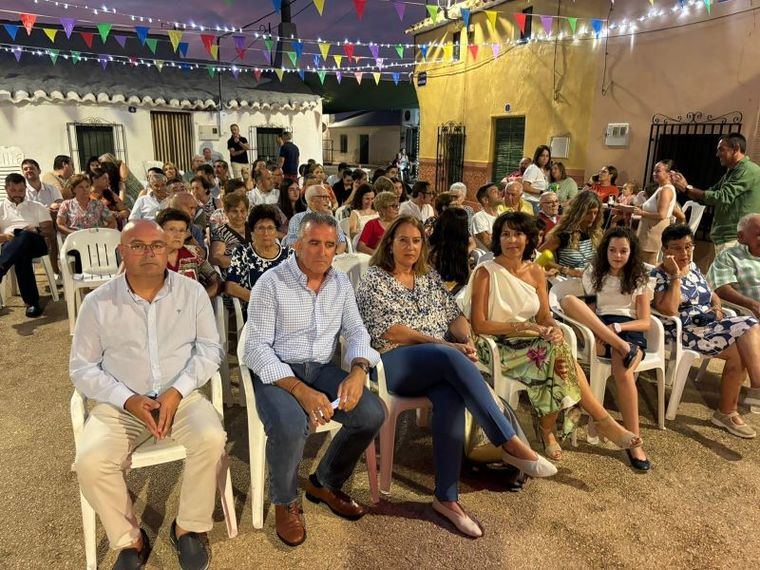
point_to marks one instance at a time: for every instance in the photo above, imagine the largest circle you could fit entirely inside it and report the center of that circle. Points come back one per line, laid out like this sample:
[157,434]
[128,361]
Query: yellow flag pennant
[377,76]
[324,49]
[50,33]
[280,73]
[175,36]
[159,64]
[448,51]
[320,4]
[214,49]
[491,15]
[338,59]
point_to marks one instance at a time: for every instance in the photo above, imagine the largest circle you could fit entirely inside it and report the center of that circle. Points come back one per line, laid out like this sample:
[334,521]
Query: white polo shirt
[46,195]
[256,197]
[146,207]
[27,213]
[409,208]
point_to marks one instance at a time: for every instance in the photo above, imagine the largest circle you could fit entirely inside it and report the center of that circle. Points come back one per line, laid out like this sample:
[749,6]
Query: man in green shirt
[735,195]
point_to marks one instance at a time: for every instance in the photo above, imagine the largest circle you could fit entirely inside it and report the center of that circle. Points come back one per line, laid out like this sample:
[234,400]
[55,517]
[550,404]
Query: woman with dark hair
[681,290]
[362,210]
[91,165]
[99,190]
[535,179]
[227,236]
[449,249]
[386,205]
[576,236]
[656,213]
[416,326]
[83,211]
[509,301]
[616,309]
[377,174]
[564,186]
[603,184]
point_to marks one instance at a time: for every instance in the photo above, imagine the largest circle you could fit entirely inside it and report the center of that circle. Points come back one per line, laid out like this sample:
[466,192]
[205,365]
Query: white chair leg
[71,310]
[371,460]
[702,369]
[228,499]
[682,372]
[257,457]
[387,444]
[90,537]
[660,397]
[13,283]
[50,277]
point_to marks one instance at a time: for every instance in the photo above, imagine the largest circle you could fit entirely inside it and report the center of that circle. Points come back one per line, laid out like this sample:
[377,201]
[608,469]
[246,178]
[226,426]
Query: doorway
[363,149]
[172,138]
[509,139]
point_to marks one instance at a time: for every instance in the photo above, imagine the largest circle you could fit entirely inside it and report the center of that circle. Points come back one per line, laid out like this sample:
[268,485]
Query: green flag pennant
[432,10]
[53,53]
[573,23]
[152,43]
[211,70]
[400,51]
[76,56]
[322,76]
[269,43]
[292,57]
[104,29]
[708,5]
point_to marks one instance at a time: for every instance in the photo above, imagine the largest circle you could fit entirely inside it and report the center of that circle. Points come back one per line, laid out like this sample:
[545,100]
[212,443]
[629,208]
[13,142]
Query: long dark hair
[284,201]
[361,191]
[448,246]
[633,275]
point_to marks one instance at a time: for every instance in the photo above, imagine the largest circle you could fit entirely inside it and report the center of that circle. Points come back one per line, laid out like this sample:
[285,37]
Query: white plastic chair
[97,251]
[222,316]
[354,265]
[257,440]
[144,455]
[345,225]
[601,368]
[693,219]
[12,283]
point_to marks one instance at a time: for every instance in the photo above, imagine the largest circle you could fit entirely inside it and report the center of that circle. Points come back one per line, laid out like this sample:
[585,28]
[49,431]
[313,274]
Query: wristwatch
[617,328]
[689,187]
[363,365]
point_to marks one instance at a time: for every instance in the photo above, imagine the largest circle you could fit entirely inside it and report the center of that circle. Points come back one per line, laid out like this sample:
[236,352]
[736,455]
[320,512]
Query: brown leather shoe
[339,503]
[290,524]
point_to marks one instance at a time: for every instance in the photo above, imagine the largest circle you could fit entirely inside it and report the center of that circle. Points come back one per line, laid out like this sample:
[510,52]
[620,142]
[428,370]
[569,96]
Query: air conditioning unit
[410,118]
[208,132]
[617,134]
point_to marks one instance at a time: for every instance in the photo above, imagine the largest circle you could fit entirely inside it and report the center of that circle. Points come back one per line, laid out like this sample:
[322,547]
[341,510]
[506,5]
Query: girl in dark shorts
[616,309]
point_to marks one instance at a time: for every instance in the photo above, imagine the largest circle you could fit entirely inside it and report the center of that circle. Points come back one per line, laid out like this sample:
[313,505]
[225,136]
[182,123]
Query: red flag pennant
[520,19]
[359,5]
[132,61]
[257,74]
[473,50]
[208,40]
[87,37]
[348,49]
[28,20]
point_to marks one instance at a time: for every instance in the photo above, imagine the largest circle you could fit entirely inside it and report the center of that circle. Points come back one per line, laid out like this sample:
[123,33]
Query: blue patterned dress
[705,334]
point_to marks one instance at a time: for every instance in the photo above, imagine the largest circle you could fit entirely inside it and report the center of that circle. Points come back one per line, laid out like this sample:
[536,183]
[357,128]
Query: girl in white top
[536,177]
[616,309]
[362,210]
[656,213]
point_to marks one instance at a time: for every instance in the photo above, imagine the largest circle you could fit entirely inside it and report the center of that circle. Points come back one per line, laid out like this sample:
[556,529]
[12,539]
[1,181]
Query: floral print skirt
[531,360]
[715,337]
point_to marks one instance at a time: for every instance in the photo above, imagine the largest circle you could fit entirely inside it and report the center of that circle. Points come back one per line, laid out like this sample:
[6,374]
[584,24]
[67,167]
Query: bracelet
[295,385]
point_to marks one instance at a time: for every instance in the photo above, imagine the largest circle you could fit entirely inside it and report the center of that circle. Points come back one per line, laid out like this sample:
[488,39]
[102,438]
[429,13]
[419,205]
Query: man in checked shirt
[297,312]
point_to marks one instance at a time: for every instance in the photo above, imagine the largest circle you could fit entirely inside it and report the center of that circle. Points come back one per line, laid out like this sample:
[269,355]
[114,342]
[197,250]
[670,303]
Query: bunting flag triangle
[87,37]
[28,20]
[380,61]
[358,76]
[50,33]
[208,41]
[76,56]
[185,67]
[235,72]
[175,36]
[573,23]
[473,50]
[12,30]
[339,76]
[324,49]
[321,75]
[400,9]
[432,10]
[277,5]
[53,53]
[17,53]
[359,6]
[211,70]
[547,22]
[708,5]
[257,74]
[315,59]
[396,76]
[214,51]
[465,14]
[424,50]
[301,74]
[239,43]
[103,62]
[448,52]
[491,15]
[183,47]
[159,63]
[348,49]
[320,5]
[104,29]
[400,51]
[121,40]
[269,43]
[142,33]
[338,59]
[292,57]
[597,24]
[377,76]
[152,43]
[132,61]
[374,49]
[495,49]
[298,48]
[520,19]
[280,73]
[267,55]
[68,26]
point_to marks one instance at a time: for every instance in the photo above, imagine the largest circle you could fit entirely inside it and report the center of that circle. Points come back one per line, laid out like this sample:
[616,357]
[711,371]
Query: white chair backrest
[354,265]
[97,250]
[695,216]
[341,212]
[345,225]
[147,164]
[563,288]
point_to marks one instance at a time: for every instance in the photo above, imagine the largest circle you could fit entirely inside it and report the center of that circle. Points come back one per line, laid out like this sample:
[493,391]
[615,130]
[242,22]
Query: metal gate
[449,156]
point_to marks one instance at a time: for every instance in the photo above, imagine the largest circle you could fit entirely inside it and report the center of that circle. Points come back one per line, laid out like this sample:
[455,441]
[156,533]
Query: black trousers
[19,254]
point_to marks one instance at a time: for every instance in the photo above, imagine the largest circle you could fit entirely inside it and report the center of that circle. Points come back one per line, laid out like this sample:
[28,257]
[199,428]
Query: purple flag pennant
[339,76]
[68,26]
[547,22]
[496,48]
[400,9]
[235,72]
[122,40]
[238,42]
[17,53]
[315,59]
[380,61]
[374,49]
[103,62]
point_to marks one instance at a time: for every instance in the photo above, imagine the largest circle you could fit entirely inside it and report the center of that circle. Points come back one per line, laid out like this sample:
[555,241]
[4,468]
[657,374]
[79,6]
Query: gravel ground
[696,509]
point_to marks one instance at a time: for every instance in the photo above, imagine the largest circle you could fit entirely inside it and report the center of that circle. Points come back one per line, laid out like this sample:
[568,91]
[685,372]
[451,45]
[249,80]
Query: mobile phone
[334,403]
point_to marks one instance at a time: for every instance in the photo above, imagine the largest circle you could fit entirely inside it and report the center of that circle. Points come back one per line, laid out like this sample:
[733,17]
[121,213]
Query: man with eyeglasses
[420,204]
[548,210]
[318,200]
[147,206]
[144,343]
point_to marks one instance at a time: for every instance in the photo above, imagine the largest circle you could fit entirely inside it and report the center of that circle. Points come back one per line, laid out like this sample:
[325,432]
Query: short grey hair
[311,191]
[513,183]
[548,194]
[745,220]
[318,219]
[458,187]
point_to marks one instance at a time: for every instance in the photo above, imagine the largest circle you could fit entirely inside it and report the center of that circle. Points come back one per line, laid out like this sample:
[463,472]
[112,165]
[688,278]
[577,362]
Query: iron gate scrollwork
[449,156]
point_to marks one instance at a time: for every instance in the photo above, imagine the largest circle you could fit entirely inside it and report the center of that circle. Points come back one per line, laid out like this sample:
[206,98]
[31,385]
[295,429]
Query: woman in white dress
[536,177]
[656,213]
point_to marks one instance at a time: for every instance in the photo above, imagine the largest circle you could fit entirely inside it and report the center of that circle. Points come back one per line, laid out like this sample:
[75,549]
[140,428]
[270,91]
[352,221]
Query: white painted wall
[39,129]
[384,143]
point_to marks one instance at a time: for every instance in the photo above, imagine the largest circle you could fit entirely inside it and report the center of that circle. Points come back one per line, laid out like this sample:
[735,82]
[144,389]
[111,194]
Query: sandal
[606,428]
[553,450]
[633,351]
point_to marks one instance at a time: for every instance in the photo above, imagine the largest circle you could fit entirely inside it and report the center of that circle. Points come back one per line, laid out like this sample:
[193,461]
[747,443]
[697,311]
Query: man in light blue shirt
[318,200]
[298,310]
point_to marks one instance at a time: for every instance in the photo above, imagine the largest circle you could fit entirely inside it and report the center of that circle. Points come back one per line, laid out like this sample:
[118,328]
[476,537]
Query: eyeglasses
[685,249]
[264,229]
[322,197]
[143,248]
[394,206]
[550,201]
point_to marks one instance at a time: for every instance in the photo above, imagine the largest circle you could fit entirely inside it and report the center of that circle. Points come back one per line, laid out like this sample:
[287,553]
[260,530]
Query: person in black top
[344,186]
[289,155]
[238,147]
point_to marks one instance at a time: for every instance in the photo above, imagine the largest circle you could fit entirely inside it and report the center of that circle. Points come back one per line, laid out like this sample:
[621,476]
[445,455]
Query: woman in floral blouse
[681,290]
[82,212]
[425,345]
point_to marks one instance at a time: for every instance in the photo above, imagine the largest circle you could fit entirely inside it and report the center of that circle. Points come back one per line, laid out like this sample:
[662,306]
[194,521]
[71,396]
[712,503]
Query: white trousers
[237,169]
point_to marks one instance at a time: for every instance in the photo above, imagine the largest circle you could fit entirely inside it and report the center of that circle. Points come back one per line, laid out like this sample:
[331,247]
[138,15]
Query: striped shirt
[575,258]
[288,323]
[736,266]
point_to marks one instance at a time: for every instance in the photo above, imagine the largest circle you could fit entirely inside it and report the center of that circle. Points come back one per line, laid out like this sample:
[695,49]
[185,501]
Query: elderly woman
[416,326]
[509,301]
[573,241]
[362,210]
[253,257]
[226,237]
[682,291]
[82,211]
[386,204]
[201,189]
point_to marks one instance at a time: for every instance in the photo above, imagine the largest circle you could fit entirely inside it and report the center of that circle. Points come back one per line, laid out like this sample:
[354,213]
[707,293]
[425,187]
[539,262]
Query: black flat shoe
[34,311]
[639,464]
[632,352]
[191,551]
[130,559]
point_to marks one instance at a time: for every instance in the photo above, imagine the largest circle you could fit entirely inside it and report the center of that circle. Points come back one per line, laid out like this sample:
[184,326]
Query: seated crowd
[444,284]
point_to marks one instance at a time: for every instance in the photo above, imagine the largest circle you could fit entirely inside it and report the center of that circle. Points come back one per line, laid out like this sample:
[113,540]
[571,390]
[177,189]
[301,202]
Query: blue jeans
[453,383]
[287,427]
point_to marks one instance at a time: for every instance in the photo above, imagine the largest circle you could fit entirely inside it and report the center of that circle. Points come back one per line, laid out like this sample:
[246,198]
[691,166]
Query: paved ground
[696,509]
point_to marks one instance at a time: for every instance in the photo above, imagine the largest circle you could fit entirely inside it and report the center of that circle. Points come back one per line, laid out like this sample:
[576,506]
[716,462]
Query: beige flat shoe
[466,524]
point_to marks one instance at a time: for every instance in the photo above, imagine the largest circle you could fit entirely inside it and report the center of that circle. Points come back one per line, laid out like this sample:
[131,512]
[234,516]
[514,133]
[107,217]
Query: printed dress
[701,331]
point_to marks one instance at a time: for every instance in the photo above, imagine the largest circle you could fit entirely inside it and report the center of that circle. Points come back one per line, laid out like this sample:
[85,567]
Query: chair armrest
[216,393]
[655,335]
[238,308]
[675,320]
[570,338]
[589,341]
[78,407]
[737,310]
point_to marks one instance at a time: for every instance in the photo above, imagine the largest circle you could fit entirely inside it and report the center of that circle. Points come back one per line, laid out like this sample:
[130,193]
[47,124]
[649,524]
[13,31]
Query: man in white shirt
[264,192]
[25,225]
[144,343]
[482,222]
[147,206]
[420,204]
[37,190]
